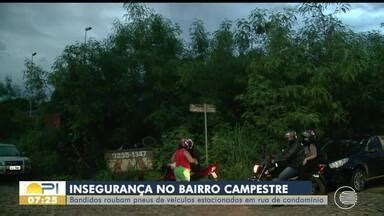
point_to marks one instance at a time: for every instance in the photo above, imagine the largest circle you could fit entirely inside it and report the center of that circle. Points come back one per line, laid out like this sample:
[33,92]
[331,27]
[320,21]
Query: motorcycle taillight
[213,168]
[322,168]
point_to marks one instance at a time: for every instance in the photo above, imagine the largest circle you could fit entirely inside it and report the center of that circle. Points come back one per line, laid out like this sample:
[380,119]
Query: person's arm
[291,151]
[173,157]
[190,158]
[312,155]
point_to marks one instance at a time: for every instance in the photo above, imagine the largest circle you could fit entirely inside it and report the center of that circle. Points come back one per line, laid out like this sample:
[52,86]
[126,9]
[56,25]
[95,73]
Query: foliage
[8,90]
[266,73]
[13,119]
[35,81]
[169,144]
[235,149]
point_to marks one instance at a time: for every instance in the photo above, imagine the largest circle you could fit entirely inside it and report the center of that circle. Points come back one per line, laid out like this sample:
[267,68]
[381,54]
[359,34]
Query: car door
[373,157]
[381,140]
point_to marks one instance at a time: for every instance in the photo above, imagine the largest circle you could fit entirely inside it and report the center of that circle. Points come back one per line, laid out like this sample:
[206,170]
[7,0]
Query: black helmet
[290,135]
[309,136]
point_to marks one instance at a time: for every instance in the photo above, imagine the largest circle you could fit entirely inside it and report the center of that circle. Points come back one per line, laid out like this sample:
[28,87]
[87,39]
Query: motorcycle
[319,183]
[268,169]
[197,172]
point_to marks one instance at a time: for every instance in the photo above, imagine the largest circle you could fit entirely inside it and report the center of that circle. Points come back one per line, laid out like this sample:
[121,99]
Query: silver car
[12,163]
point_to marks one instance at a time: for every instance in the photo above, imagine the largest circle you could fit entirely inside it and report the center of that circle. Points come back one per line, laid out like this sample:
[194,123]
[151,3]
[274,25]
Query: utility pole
[205,108]
[85,41]
[30,97]
[85,36]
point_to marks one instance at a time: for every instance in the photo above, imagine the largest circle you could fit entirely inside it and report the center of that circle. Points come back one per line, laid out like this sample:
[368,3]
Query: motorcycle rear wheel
[318,187]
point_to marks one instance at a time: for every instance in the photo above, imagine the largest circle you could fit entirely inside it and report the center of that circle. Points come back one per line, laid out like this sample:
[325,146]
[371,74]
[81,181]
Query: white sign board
[200,108]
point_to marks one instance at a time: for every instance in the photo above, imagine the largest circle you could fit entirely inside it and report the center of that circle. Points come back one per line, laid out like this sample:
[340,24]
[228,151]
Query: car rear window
[9,151]
[374,144]
[340,148]
[381,138]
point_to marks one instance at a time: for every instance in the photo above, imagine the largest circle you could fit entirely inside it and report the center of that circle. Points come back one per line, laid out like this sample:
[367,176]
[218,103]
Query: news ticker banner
[168,193]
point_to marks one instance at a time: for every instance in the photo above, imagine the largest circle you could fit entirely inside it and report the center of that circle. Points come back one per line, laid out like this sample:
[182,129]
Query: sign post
[204,108]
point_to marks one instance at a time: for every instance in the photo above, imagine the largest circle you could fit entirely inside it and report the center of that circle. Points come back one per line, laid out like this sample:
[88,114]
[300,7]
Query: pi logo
[42,188]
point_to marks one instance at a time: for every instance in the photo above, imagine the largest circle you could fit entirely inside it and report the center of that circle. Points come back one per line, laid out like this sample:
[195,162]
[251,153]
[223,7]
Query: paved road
[370,202]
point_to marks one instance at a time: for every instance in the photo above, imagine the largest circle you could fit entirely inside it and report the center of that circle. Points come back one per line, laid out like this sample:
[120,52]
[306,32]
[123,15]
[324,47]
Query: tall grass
[235,149]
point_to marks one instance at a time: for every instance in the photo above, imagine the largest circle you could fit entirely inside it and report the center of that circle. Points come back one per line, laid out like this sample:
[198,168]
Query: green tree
[266,73]
[35,81]
[8,90]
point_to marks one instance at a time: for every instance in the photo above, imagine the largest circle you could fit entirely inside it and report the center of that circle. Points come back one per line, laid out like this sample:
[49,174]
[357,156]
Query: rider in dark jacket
[293,157]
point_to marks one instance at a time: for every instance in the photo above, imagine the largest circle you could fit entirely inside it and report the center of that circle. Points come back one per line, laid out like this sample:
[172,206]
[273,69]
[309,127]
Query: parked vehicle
[353,161]
[12,162]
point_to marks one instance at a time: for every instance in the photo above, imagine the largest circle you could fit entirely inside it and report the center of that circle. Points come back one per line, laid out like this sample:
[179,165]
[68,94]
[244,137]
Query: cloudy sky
[46,28]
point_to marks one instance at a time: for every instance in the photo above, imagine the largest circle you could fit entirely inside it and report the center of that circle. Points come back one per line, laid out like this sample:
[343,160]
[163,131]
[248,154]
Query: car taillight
[322,168]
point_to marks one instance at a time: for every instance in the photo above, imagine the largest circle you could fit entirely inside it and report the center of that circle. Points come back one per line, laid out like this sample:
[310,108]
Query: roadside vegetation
[265,73]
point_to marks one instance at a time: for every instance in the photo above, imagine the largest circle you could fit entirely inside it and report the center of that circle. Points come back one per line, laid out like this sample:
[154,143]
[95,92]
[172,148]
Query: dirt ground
[370,202]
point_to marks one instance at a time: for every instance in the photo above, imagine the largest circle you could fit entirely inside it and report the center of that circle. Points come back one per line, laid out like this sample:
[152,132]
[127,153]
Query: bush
[104,174]
[60,178]
[134,175]
[169,143]
[234,150]
[152,175]
[51,155]
[40,146]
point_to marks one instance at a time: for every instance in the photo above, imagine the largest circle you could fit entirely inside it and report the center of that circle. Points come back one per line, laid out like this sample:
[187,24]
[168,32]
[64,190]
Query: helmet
[186,143]
[309,136]
[290,135]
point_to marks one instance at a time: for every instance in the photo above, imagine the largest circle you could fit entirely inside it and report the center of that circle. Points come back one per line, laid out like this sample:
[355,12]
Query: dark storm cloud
[212,14]
[2,46]
[46,28]
[3,51]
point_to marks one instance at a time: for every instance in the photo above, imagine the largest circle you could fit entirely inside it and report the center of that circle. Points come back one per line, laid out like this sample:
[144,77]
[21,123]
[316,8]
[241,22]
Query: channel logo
[345,197]
[42,193]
